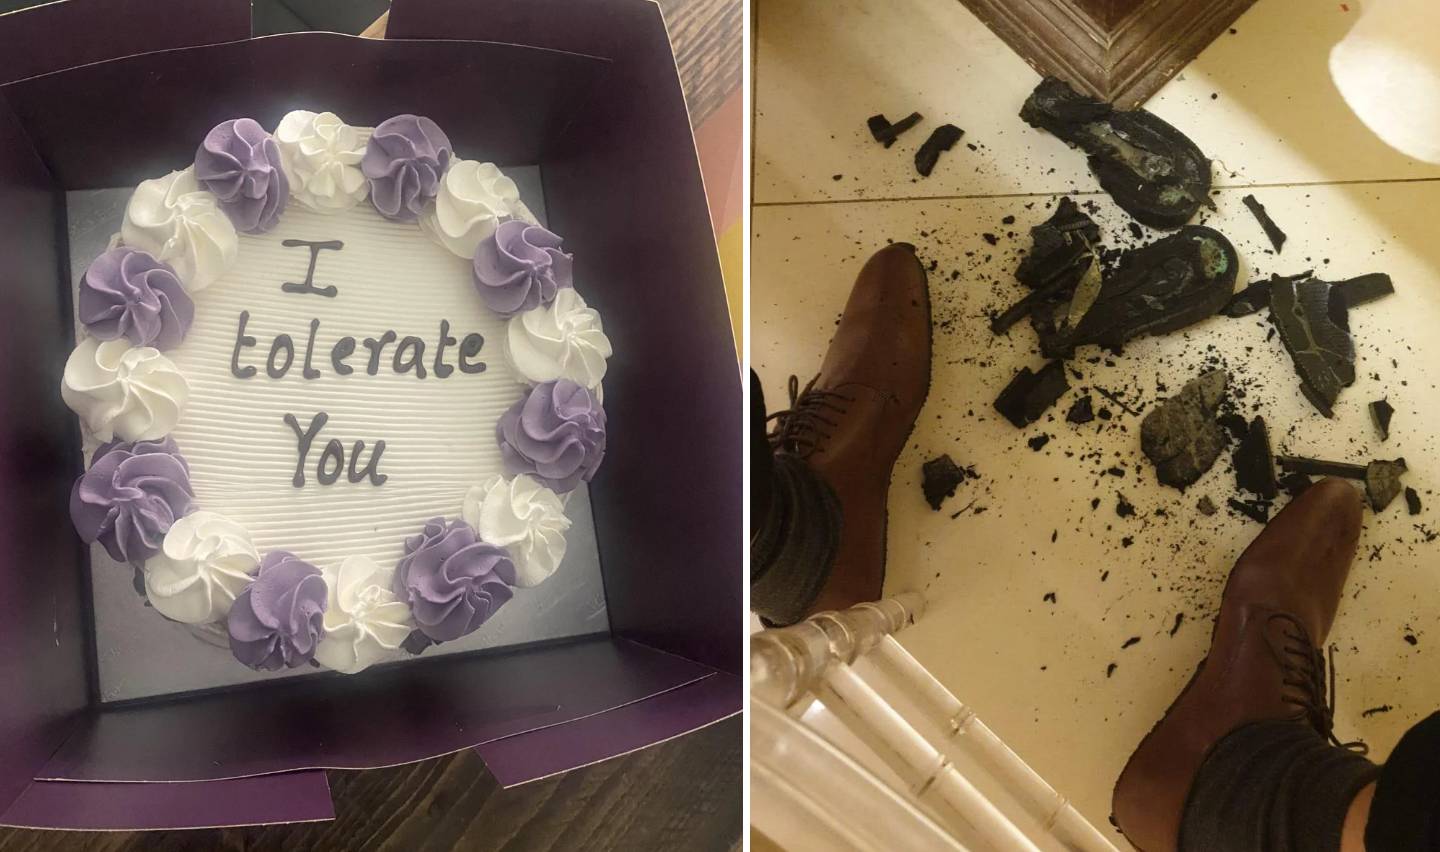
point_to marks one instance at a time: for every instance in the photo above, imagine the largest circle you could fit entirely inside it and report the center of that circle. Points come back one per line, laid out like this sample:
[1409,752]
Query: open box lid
[674,565]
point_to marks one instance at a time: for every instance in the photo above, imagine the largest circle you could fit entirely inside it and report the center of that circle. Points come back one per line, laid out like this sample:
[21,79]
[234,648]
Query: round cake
[340,385]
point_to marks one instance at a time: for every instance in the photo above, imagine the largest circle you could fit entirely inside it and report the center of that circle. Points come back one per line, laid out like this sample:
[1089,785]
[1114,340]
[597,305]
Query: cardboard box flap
[287,797]
[391,716]
[68,33]
[529,757]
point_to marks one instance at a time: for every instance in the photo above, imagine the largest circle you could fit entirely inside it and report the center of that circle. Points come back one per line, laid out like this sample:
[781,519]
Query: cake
[340,385]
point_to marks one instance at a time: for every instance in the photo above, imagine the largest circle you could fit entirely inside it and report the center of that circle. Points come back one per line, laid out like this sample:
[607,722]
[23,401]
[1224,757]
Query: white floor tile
[822,68]
[1036,670]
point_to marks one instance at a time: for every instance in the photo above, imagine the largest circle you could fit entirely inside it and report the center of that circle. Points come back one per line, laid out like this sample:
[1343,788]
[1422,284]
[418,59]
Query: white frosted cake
[340,386]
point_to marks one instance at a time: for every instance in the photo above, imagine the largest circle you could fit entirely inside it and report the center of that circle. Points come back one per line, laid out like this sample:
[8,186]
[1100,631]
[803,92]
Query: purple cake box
[104,93]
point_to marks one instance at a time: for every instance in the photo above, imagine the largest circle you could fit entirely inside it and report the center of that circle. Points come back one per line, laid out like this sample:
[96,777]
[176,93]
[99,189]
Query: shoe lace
[803,428]
[1305,672]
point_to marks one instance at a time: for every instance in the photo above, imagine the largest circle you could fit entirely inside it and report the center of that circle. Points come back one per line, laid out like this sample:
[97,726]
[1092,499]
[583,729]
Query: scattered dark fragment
[1235,424]
[885,132]
[1256,295]
[1315,328]
[940,478]
[1151,169]
[942,138]
[1381,411]
[1110,669]
[1294,484]
[1136,231]
[1062,245]
[1030,393]
[1115,398]
[1277,236]
[1127,541]
[1382,482]
[1133,640]
[1049,597]
[1254,462]
[1412,501]
[1094,503]
[1117,472]
[1007,220]
[1205,506]
[1054,534]
[1165,286]
[1124,508]
[1179,619]
[1364,288]
[1383,708]
[1411,640]
[1081,411]
[1254,510]
[1038,442]
[1320,467]
[1180,435]
[990,238]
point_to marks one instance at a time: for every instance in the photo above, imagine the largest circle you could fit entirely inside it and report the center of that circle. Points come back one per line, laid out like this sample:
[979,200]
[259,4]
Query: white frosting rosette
[524,517]
[563,340]
[321,157]
[364,620]
[180,223]
[472,200]
[205,561]
[118,389]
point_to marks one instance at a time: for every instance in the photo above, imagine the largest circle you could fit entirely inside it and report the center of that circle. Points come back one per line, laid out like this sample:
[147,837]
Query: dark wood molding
[1120,51]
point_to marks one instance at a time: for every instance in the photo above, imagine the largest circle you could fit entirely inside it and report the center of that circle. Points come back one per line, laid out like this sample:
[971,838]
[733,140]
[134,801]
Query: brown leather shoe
[852,420]
[1263,663]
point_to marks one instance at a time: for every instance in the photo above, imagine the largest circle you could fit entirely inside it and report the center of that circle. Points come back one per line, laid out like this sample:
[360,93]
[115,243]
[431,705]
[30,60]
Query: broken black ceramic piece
[1030,393]
[1256,510]
[1205,506]
[1380,412]
[1314,325]
[1295,484]
[1151,169]
[940,478]
[1165,286]
[1412,501]
[1180,435]
[942,138]
[1082,411]
[1364,288]
[1059,245]
[1277,236]
[1381,477]
[1254,462]
[885,132]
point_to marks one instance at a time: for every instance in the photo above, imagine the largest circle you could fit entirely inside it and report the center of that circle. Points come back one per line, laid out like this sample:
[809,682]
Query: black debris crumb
[1179,619]
[1094,504]
[1180,435]
[1254,462]
[1383,708]
[1054,534]
[1382,482]
[1008,220]
[1294,484]
[1411,640]
[940,478]
[1049,597]
[1081,411]
[887,133]
[990,238]
[1253,509]
[1380,412]
[1277,236]
[1029,394]
[942,138]
[837,177]
[1133,640]
[1136,231]
[1038,442]
[1127,541]
[1110,669]
[1205,506]
[1412,501]
[1124,508]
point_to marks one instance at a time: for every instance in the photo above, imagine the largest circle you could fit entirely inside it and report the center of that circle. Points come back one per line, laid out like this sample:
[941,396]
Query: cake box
[102,93]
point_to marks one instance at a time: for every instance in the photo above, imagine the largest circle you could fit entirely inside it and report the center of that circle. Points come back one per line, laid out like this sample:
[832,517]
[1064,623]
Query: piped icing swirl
[277,621]
[206,561]
[131,497]
[472,200]
[321,155]
[240,164]
[175,220]
[118,389]
[404,161]
[452,580]
[127,293]
[364,619]
[556,433]
[563,340]
[525,518]
[520,267]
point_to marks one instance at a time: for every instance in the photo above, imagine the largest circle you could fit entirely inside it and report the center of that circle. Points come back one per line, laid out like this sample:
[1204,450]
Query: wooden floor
[681,795]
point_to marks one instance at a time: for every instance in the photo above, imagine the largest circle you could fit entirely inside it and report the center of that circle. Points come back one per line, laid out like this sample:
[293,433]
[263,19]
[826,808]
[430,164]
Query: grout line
[1087,192]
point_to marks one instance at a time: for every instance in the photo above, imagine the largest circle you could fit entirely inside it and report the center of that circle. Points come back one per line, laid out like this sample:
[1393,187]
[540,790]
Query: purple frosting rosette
[279,619]
[130,497]
[240,163]
[404,161]
[452,580]
[128,293]
[520,267]
[556,434]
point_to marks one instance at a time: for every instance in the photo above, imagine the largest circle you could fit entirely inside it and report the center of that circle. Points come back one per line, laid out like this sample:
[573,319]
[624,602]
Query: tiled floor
[1040,672]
